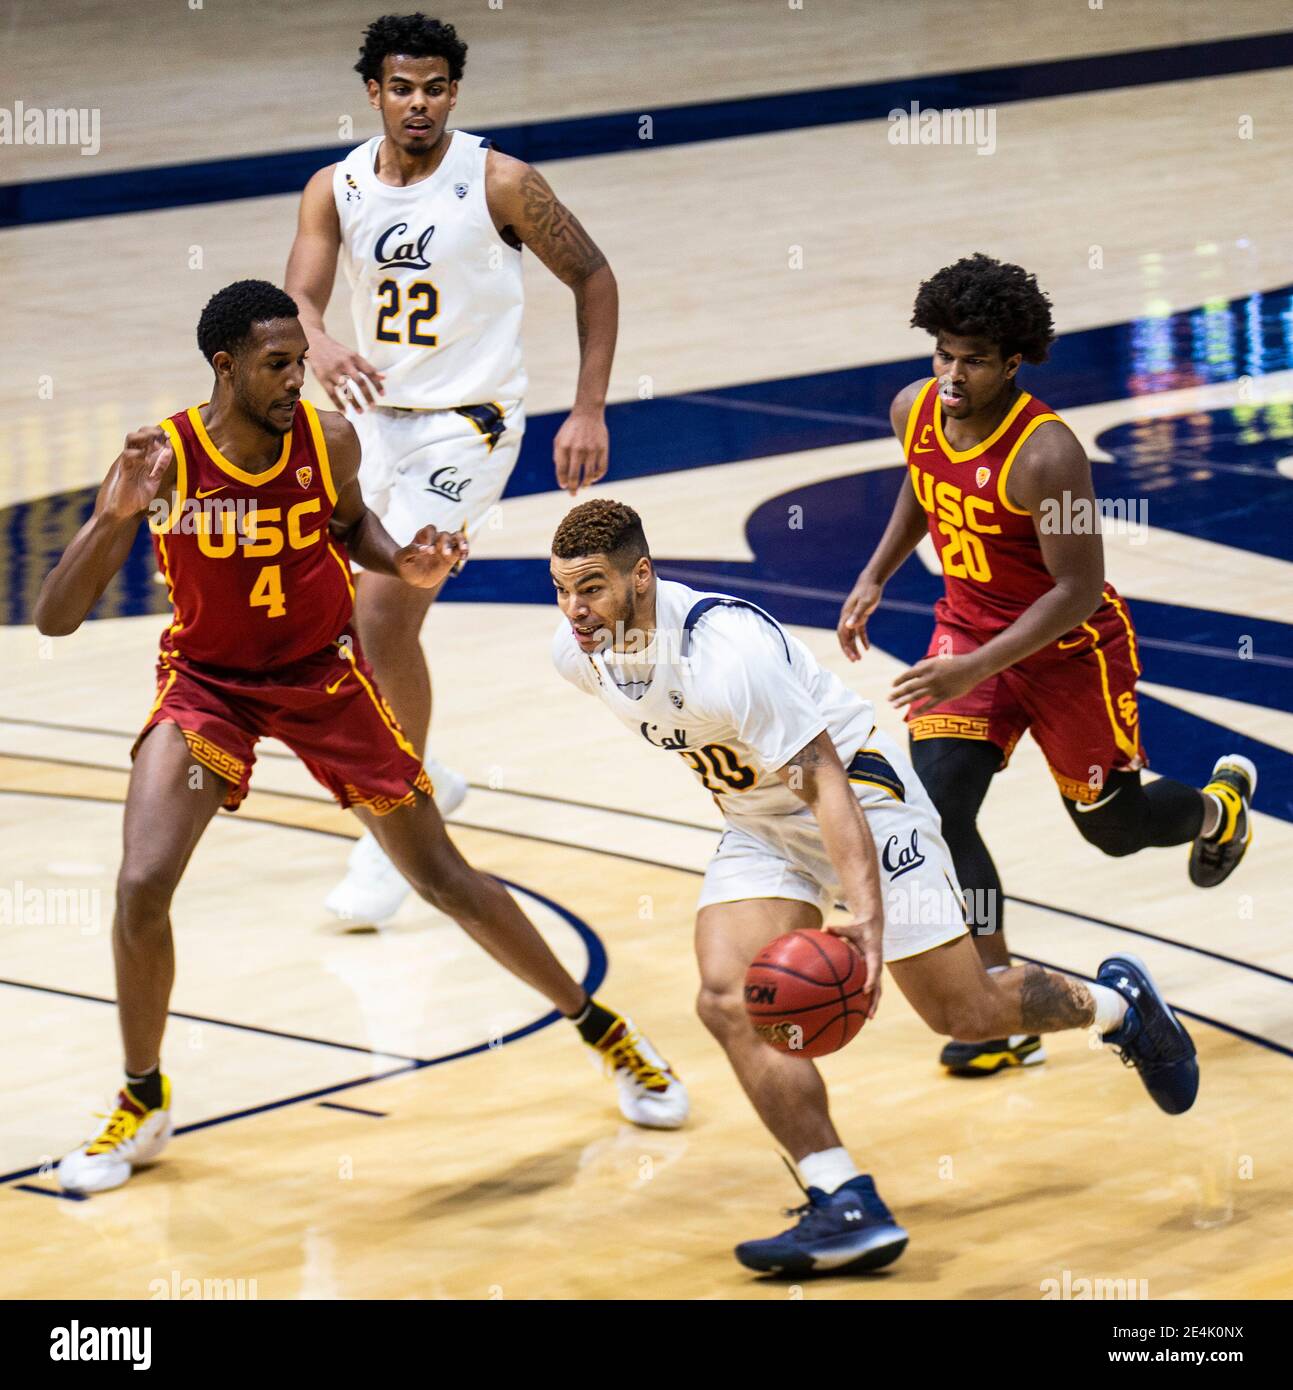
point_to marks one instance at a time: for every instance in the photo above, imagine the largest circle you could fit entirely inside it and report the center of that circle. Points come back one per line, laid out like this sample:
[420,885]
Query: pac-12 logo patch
[460,189]
[675,698]
[981,475]
[305,475]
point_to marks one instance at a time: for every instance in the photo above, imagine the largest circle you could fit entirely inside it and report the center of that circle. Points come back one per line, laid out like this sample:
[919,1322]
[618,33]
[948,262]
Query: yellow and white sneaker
[1213,859]
[133,1136]
[650,1094]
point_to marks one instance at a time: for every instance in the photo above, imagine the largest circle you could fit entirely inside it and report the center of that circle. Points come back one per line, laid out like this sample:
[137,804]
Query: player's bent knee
[965,1019]
[144,894]
[1116,828]
[722,1012]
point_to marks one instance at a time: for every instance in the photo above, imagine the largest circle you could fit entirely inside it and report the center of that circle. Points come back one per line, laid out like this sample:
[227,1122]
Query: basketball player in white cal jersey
[818,807]
[429,224]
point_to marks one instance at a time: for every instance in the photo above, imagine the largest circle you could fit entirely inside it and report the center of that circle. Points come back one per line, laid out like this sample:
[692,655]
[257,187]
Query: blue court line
[1153,936]
[352,1109]
[594,976]
[615,132]
[596,973]
[51,1192]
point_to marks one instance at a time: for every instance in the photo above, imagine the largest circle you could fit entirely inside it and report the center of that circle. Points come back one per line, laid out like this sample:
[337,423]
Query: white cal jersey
[728,691]
[436,293]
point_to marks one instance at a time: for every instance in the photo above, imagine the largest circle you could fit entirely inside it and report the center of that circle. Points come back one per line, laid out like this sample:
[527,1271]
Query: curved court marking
[1251,966]
[594,975]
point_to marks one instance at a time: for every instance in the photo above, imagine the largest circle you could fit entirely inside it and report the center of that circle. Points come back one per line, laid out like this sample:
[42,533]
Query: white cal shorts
[444,468]
[783,856]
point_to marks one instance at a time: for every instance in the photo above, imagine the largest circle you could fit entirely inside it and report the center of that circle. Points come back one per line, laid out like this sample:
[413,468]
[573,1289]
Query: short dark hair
[978,297]
[227,320]
[601,527]
[414,36]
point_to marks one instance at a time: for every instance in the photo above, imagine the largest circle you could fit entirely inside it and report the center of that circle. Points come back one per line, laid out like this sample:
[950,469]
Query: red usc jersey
[991,558]
[255,579]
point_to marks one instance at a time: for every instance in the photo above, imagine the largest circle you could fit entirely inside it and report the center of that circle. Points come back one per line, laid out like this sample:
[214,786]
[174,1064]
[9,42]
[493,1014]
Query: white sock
[1221,816]
[827,1170]
[1110,1008]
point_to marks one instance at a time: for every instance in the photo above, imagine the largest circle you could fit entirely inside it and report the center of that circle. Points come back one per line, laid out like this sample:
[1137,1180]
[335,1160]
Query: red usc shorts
[1077,697]
[325,707]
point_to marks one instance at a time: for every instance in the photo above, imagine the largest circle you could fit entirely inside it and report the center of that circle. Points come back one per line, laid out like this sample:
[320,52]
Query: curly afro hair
[601,527]
[226,321]
[982,298]
[412,36]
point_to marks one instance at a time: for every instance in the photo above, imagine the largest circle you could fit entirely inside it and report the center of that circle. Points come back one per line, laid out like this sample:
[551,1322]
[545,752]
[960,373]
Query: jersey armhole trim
[320,451]
[912,414]
[1010,459]
[181,478]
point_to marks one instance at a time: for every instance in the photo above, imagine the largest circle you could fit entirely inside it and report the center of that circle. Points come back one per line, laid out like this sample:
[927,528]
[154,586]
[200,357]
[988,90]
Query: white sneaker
[373,887]
[650,1094]
[132,1136]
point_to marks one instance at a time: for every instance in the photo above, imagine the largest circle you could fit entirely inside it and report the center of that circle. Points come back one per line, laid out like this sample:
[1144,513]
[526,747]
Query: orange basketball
[804,993]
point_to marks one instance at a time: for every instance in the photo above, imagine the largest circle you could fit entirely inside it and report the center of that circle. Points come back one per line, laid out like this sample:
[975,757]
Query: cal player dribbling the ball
[430,224]
[818,807]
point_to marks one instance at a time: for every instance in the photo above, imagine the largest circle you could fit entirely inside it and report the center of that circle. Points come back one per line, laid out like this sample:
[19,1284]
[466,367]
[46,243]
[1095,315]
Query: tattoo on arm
[1049,1002]
[553,232]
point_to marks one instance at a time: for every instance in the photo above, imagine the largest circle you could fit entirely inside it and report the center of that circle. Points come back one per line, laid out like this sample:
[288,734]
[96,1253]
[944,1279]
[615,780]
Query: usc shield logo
[304,475]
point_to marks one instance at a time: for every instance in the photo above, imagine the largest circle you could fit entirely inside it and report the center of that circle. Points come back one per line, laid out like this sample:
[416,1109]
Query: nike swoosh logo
[1064,646]
[332,689]
[199,494]
[928,449]
[1093,805]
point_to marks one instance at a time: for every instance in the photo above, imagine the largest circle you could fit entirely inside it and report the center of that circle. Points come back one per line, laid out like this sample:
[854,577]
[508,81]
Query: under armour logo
[853,1215]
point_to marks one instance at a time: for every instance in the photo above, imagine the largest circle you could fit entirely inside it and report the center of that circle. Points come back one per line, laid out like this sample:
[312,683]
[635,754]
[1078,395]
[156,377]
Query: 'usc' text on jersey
[992,562]
[254,577]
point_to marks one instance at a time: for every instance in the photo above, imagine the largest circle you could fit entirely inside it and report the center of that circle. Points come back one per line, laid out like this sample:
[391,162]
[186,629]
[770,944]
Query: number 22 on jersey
[413,331]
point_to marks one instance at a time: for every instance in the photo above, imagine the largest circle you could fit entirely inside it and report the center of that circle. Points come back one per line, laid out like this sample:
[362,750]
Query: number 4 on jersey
[267,591]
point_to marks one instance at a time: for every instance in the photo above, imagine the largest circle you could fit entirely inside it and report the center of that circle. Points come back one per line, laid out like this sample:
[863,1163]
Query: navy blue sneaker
[848,1229]
[1151,1039]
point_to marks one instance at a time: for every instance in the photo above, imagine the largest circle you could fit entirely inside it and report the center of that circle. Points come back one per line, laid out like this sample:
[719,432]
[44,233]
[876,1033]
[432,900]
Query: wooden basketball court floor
[384,1114]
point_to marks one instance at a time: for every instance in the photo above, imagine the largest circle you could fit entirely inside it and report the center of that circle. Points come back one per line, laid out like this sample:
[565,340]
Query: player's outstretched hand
[581,451]
[934,681]
[351,381]
[858,607]
[866,939]
[430,557]
[136,476]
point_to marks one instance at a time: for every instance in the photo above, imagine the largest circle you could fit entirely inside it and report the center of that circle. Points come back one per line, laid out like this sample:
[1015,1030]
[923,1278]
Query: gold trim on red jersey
[181,478]
[912,415]
[223,464]
[963,455]
[320,450]
[1010,458]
